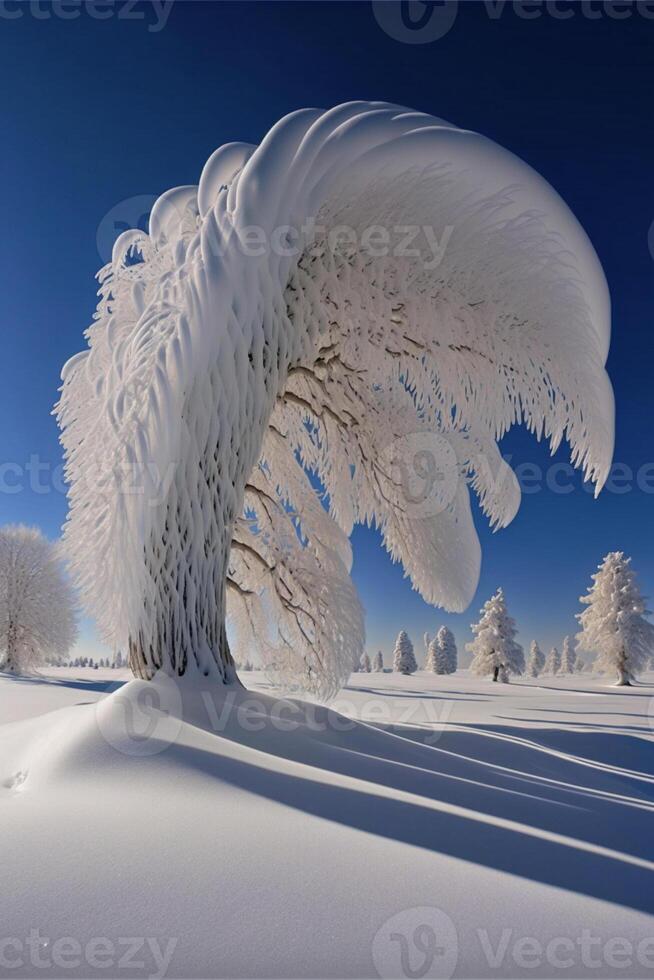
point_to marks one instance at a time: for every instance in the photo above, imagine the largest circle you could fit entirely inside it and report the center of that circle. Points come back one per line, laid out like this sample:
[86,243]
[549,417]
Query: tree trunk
[11,661]
[624,675]
[180,626]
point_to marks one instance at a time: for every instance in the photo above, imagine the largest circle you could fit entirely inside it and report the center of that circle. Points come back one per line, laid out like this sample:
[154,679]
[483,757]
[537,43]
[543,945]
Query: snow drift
[230,834]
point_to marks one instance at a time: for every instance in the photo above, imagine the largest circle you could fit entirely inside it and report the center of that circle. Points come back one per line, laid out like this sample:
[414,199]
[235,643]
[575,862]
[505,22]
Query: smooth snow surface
[252,838]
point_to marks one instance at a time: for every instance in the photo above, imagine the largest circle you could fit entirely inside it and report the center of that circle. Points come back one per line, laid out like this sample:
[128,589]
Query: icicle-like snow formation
[369,283]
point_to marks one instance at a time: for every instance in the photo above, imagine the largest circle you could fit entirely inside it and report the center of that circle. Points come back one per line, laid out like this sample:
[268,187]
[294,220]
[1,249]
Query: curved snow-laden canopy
[371,295]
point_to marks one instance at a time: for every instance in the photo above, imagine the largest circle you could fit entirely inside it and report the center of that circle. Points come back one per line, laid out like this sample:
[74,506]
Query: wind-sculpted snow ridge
[243,344]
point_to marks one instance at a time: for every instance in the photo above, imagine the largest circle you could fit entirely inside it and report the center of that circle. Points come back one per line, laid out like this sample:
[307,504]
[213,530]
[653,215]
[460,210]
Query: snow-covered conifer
[434,663]
[378,663]
[552,662]
[426,640]
[535,661]
[442,655]
[404,660]
[447,644]
[568,657]
[215,382]
[614,626]
[495,648]
[364,663]
[37,608]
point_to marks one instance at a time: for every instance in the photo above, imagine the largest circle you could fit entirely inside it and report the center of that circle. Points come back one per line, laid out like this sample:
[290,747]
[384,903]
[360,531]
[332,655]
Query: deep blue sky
[99,111]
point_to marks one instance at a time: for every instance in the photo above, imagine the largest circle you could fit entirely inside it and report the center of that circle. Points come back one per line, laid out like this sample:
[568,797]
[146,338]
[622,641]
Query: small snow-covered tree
[614,625]
[364,664]
[447,644]
[495,650]
[426,640]
[37,608]
[378,663]
[552,662]
[404,661]
[568,657]
[442,655]
[536,660]
[434,661]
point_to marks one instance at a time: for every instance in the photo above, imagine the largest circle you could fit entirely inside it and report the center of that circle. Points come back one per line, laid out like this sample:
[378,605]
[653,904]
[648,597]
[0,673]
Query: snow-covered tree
[614,626]
[221,371]
[568,657]
[434,662]
[378,663]
[442,655]
[404,660]
[535,661]
[364,664]
[37,607]
[426,640]
[552,662]
[494,648]
[447,644]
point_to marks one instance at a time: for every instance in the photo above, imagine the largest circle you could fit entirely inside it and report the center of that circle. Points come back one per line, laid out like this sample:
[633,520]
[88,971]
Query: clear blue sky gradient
[97,112]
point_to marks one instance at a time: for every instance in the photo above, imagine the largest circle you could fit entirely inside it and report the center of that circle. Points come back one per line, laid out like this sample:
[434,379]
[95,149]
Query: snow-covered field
[434,826]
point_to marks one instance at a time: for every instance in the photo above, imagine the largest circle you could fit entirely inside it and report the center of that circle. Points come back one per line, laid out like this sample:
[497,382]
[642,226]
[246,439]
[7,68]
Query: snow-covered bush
[614,626]
[218,375]
[442,655]
[378,663]
[568,657]
[494,648]
[364,664]
[404,661]
[552,662]
[535,661]
[37,607]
